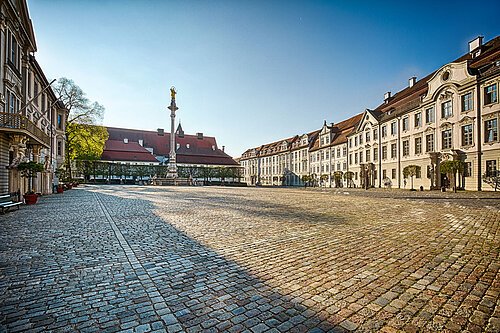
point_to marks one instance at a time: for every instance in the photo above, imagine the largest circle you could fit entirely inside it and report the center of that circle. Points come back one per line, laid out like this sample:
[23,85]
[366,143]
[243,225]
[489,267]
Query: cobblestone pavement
[165,259]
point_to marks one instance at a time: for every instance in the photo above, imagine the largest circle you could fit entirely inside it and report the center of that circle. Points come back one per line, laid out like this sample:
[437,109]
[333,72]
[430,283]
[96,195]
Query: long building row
[32,119]
[451,114]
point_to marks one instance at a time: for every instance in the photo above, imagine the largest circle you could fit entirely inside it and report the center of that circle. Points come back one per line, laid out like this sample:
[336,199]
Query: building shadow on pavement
[64,269]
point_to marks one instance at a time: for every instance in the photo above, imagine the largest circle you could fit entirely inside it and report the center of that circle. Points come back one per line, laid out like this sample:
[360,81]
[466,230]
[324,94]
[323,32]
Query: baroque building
[136,147]
[451,114]
[32,120]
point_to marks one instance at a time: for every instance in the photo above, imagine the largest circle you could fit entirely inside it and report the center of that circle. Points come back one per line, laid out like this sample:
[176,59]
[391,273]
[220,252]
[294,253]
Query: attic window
[125,140]
[213,147]
[445,76]
[178,145]
[187,145]
[141,142]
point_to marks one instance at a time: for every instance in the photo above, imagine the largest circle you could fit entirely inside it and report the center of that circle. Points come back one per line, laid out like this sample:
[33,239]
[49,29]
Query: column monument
[172,165]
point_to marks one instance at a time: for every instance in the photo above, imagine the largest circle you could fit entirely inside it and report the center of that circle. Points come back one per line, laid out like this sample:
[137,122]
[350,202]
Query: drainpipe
[399,152]
[479,129]
[379,136]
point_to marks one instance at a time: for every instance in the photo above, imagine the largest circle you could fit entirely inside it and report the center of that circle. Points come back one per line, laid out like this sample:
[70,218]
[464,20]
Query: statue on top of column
[173,92]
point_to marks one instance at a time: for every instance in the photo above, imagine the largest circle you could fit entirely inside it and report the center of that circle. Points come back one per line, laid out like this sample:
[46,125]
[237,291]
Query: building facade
[138,147]
[32,120]
[451,114]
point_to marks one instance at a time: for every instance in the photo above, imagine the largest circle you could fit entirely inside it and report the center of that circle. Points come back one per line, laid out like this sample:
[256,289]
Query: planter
[60,189]
[30,199]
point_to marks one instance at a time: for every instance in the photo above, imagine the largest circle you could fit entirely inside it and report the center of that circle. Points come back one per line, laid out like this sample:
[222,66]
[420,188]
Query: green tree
[348,176]
[337,176]
[306,179]
[451,168]
[410,171]
[84,138]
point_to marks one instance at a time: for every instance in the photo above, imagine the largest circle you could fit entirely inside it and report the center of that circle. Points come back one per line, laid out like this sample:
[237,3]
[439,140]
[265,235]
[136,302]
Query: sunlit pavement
[207,259]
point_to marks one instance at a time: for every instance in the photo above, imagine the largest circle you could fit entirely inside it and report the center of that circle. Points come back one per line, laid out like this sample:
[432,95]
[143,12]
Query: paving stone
[186,259]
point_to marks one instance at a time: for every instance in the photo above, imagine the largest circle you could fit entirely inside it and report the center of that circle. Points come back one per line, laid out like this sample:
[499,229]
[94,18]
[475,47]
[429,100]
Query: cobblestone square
[207,259]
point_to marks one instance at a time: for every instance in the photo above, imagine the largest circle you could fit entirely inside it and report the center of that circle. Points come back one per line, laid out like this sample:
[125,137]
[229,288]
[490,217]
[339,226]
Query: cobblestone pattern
[140,259]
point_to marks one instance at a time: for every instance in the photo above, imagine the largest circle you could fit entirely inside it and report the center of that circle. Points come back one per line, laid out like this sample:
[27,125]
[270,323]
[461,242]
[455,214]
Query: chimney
[412,81]
[161,132]
[125,140]
[223,147]
[200,136]
[475,44]
[387,96]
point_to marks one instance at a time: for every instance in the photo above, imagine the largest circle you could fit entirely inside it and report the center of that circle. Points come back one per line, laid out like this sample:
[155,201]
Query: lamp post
[172,165]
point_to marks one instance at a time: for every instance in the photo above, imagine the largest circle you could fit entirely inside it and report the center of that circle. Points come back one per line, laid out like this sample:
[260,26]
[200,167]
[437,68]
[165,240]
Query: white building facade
[452,114]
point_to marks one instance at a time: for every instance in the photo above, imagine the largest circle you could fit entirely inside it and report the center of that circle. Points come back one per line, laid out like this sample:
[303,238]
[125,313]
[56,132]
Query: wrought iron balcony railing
[16,121]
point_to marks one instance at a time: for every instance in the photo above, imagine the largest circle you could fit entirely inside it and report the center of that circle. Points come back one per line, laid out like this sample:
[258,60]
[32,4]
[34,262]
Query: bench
[8,201]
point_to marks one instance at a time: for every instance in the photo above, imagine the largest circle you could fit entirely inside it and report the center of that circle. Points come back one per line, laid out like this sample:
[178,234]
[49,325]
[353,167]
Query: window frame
[490,97]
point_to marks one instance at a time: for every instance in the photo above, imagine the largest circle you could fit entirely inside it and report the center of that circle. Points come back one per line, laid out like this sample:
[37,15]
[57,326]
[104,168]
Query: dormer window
[187,145]
[213,147]
[178,145]
[141,142]
[125,140]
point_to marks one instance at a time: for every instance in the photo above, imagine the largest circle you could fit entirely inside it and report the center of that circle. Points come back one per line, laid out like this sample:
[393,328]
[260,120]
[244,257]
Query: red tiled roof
[201,150]
[130,156]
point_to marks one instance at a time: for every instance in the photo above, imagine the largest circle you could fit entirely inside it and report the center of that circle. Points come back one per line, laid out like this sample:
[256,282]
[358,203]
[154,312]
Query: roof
[115,150]
[193,149]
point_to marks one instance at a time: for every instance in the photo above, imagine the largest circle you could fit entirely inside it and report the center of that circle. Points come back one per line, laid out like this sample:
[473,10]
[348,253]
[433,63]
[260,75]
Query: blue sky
[249,72]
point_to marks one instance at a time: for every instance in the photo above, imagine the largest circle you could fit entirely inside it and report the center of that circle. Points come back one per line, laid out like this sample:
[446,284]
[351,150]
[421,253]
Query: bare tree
[84,138]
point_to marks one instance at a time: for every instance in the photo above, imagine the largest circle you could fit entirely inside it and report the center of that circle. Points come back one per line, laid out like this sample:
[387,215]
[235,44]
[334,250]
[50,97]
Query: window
[384,153]
[360,138]
[393,173]
[418,172]
[491,168]
[467,102]
[406,123]
[59,121]
[394,128]
[375,134]
[355,141]
[384,174]
[418,146]
[35,94]
[344,151]
[338,152]
[490,130]
[338,166]
[29,84]
[384,131]
[59,148]
[467,135]
[446,110]
[43,103]
[406,147]
[490,94]
[394,150]
[367,155]
[446,139]
[350,159]
[429,115]
[418,119]
[375,174]
[360,157]
[350,143]
[13,50]
[468,169]
[344,166]
[355,158]
[429,143]
[375,154]
[367,136]
[12,103]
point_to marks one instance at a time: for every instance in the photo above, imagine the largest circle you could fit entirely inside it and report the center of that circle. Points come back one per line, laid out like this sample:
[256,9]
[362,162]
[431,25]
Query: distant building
[148,147]
[451,114]
[32,121]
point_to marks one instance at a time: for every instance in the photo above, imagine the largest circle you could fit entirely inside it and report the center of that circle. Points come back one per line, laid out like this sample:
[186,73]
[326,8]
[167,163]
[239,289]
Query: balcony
[17,123]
